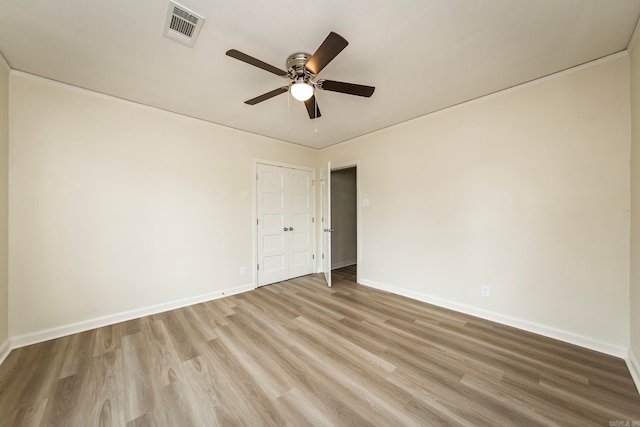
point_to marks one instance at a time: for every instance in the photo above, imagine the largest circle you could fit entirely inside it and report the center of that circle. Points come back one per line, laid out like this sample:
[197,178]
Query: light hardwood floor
[298,353]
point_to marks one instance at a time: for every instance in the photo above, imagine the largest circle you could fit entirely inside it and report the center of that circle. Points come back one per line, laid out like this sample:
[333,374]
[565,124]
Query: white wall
[634,302]
[116,206]
[343,217]
[4,209]
[526,191]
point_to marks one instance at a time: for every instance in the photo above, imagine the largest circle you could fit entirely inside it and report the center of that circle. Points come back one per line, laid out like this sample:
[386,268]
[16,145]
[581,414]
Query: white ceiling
[422,55]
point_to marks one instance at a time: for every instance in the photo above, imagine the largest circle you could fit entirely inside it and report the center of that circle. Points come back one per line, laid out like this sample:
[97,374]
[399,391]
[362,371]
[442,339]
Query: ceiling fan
[302,70]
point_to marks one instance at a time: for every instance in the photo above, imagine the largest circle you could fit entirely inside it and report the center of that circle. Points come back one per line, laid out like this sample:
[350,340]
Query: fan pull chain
[315,105]
[288,112]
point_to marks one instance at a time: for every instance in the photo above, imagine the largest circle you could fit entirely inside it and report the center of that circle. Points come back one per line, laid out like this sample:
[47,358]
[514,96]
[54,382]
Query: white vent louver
[182,25]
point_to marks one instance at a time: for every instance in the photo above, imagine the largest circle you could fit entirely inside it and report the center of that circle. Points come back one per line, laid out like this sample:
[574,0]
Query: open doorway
[344,223]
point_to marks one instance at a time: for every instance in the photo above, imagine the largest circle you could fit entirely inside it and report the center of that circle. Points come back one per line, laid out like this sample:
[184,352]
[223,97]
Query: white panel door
[326,225]
[300,224]
[273,245]
[285,216]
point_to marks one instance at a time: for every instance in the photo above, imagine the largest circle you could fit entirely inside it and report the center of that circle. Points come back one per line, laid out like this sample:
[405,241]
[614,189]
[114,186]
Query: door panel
[301,237]
[273,178]
[273,221]
[272,243]
[300,182]
[300,202]
[273,264]
[273,201]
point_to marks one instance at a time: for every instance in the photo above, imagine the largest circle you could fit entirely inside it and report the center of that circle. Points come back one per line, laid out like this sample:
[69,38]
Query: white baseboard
[634,368]
[5,349]
[536,328]
[344,264]
[74,328]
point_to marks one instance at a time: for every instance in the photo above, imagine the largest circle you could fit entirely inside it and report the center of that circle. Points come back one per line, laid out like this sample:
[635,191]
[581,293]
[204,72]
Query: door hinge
[313,219]
[313,256]
[258,267]
[256,176]
[257,221]
[322,256]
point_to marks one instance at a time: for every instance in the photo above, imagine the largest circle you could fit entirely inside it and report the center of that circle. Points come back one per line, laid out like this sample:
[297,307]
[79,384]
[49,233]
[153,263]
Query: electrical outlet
[486,291]
[243,271]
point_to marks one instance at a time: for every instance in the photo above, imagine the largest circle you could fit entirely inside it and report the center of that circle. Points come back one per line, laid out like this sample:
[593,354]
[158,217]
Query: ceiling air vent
[182,25]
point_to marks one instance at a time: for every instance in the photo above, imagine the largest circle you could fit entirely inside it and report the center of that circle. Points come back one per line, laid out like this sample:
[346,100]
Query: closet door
[301,226]
[284,204]
[273,250]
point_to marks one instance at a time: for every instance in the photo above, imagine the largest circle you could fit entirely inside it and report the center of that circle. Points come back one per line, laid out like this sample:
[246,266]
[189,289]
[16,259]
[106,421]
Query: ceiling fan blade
[349,88]
[256,62]
[312,108]
[268,95]
[329,49]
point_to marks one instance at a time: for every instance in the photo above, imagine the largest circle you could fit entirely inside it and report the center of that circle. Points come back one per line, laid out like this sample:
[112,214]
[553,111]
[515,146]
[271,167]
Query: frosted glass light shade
[301,91]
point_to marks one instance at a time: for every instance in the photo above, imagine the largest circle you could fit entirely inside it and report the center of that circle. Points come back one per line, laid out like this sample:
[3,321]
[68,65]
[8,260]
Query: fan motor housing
[296,63]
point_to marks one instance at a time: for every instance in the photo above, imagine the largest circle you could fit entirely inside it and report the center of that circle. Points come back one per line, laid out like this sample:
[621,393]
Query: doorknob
[285,229]
[290,228]
[332,230]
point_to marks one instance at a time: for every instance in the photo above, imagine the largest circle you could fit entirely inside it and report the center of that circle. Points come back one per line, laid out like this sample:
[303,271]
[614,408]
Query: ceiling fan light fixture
[302,70]
[301,90]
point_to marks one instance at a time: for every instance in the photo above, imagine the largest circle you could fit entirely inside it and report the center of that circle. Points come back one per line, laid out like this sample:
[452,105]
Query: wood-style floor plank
[298,353]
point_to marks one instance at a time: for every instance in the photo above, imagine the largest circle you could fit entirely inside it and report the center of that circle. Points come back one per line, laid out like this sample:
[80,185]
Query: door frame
[254,212]
[346,165]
